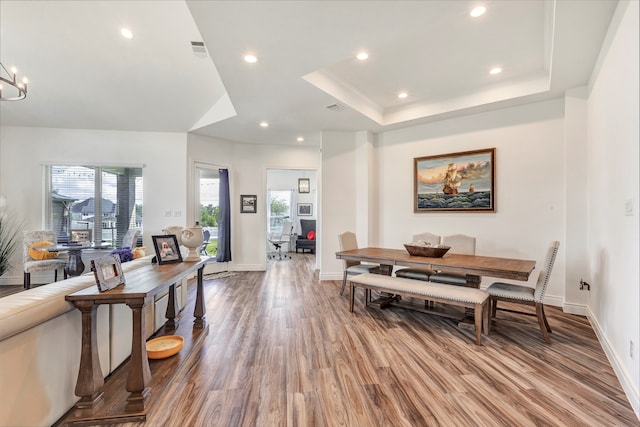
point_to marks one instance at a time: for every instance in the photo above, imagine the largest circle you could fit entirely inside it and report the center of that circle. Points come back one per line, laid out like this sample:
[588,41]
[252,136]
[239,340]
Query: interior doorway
[291,196]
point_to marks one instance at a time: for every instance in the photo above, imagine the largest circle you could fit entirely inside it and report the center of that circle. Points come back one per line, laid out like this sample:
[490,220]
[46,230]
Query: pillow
[139,252]
[311,235]
[124,253]
[41,255]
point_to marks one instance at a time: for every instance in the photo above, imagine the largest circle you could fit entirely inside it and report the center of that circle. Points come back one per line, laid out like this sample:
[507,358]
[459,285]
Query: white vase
[174,229]
[193,239]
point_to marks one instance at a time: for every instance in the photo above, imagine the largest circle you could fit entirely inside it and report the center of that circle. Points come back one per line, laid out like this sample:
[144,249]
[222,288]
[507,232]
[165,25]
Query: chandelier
[17,90]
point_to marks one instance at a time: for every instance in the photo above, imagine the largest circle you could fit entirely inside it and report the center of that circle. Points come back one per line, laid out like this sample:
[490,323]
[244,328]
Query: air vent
[335,107]
[199,48]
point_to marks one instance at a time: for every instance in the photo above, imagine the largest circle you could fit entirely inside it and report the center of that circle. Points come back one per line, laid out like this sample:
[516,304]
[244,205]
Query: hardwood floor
[283,350]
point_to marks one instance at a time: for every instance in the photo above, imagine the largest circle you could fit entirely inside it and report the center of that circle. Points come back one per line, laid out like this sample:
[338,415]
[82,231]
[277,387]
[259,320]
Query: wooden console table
[141,285]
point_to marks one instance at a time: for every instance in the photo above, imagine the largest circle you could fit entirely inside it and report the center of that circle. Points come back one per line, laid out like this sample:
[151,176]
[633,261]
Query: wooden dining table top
[505,268]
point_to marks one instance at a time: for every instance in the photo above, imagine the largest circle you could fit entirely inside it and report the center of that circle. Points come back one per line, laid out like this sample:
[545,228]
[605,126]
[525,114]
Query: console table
[141,285]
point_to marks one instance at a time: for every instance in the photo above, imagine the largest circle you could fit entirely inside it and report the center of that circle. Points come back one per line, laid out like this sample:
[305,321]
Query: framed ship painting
[462,182]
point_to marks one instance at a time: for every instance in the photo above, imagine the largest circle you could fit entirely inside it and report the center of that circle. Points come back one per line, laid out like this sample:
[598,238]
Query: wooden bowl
[427,251]
[163,347]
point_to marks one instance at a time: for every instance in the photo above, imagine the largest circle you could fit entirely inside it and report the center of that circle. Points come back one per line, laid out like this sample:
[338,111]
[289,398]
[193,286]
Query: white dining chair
[526,295]
[420,273]
[33,265]
[460,244]
[348,241]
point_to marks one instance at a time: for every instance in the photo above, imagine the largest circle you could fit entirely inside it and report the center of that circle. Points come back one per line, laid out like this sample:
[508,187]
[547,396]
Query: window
[93,203]
[208,203]
[279,210]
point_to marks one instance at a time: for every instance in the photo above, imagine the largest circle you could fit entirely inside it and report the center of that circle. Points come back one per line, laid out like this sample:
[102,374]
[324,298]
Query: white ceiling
[83,74]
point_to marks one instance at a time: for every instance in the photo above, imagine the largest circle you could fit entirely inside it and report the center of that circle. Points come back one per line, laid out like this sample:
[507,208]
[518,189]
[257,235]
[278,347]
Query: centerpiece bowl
[426,251]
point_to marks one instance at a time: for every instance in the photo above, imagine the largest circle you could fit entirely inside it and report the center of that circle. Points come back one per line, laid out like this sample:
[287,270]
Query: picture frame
[167,248]
[305,209]
[248,203]
[108,272]
[455,182]
[80,236]
[304,185]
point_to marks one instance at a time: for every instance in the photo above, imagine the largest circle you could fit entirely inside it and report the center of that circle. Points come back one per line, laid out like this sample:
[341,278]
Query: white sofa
[40,339]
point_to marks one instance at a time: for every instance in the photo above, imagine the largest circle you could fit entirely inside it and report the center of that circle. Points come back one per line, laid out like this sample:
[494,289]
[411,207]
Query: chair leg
[27,281]
[344,282]
[542,321]
[55,275]
[494,306]
[351,296]
[486,321]
[544,316]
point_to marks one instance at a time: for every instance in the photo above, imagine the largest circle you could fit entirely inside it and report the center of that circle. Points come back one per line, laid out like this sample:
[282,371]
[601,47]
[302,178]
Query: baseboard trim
[579,309]
[330,276]
[632,394]
[247,267]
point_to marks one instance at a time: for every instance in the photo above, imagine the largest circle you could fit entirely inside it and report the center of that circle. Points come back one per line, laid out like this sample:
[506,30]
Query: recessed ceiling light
[495,70]
[126,33]
[478,11]
[362,56]
[300,139]
[403,95]
[264,124]
[250,58]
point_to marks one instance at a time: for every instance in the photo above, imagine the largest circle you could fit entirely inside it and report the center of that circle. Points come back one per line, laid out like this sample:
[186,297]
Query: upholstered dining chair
[420,273]
[460,244]
[520,294]
[35,261]
[348,241]
[130,238]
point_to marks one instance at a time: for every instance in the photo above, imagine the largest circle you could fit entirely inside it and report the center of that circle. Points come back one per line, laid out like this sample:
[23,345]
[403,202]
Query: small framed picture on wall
[248,203]
[304,185]
[305,209]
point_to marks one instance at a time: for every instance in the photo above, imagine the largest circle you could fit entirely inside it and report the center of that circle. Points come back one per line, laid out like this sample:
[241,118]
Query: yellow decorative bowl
[163,347]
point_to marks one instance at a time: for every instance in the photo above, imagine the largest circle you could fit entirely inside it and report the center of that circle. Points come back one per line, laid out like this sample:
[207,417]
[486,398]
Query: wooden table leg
[90,381]
[139,373]
[199,309]
[170,314]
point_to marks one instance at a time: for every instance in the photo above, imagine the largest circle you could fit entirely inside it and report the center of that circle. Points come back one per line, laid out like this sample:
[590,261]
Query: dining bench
[477,299]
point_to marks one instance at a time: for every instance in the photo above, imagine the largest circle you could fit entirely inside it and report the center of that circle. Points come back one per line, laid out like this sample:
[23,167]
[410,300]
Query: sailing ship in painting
[451,180]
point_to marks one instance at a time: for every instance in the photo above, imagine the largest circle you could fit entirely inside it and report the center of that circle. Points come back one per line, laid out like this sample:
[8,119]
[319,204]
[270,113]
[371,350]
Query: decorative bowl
[163,347]
[427,251]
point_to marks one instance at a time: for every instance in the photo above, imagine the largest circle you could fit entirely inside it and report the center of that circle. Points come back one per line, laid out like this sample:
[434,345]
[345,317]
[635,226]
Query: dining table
[473,266]
[75,266]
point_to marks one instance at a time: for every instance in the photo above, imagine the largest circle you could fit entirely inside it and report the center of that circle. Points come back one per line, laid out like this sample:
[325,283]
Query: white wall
[247,175]
[613,163]
[339,208]
[529,181]
[23,151]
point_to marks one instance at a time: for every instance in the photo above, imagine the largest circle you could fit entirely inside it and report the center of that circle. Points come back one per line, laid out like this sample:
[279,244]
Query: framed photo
[248,203]
[108,272]
[304,185]
[167,248]
[462,182]
[305,209]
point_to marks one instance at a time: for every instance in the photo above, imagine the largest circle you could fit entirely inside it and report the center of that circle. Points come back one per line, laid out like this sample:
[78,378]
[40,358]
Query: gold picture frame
[455,182]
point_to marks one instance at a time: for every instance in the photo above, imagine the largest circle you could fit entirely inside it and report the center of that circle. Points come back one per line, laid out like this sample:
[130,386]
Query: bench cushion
[419,287]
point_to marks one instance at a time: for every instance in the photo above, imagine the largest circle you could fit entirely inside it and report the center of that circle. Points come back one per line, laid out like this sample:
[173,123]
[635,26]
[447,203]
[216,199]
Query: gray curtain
[224,220]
